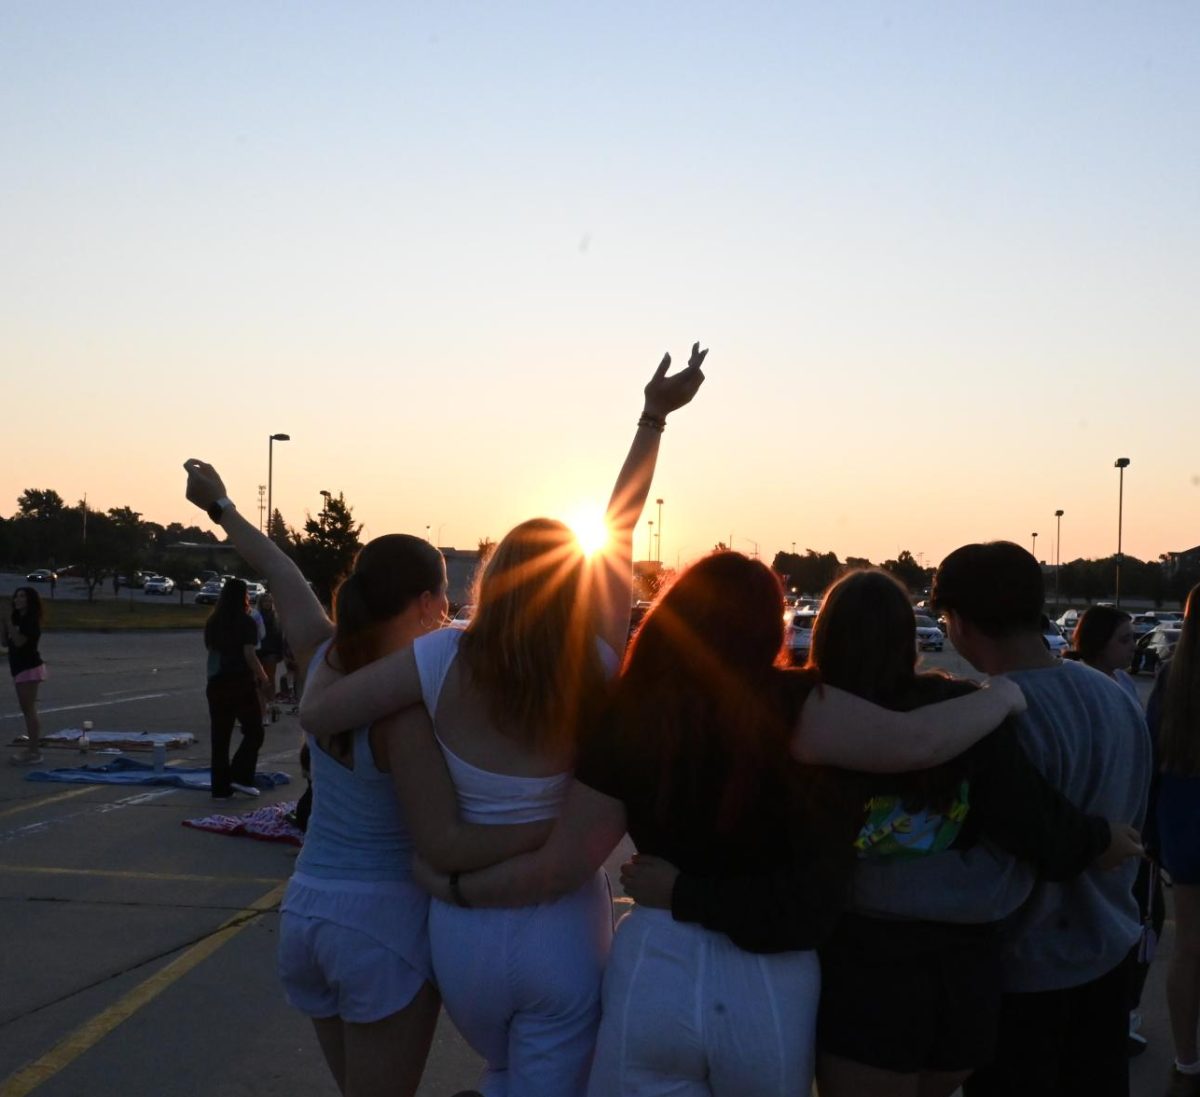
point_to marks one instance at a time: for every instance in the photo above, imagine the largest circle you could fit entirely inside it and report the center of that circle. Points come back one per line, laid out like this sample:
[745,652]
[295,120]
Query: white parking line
[88,704]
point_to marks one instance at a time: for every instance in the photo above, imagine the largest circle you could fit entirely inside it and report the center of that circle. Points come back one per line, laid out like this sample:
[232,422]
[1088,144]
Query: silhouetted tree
[326,549]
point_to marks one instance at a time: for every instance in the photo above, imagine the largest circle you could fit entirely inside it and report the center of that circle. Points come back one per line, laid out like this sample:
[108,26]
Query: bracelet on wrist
[654,422]
[456,894]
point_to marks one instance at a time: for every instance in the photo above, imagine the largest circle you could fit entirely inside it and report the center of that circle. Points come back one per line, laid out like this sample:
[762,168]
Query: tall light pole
[1057,554]
[650,540]
[271,476]
[1120,464]
[1033,547]
[262,502]
[325,497]
[659,557]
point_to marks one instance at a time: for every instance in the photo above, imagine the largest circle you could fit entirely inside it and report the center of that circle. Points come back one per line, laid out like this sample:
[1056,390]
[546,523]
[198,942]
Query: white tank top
[484,796]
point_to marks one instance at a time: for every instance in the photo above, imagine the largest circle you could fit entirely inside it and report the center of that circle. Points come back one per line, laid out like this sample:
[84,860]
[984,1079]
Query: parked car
[255,590]
[1145,622]
[463,617]
[1055,640]
[42,575]
[1068,621]
[1153,648]
[208,594]
[799,636]
[160,584]
[929,636]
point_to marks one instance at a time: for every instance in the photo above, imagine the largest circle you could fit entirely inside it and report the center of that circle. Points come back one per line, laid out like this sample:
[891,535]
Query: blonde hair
[1179,735]
[531,645]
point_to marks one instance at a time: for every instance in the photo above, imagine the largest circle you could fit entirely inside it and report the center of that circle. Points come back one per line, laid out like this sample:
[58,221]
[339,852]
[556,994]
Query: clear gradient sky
[946,257]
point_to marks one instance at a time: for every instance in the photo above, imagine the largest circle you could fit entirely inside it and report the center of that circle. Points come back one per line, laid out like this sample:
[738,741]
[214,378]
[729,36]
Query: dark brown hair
[224,624]
[388,574]
[34,607]
[1095,628]
[864,641]
[1179,735]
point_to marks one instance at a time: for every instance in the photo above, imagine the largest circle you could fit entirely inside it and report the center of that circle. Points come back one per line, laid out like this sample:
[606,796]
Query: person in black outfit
[236,681]
[21,632]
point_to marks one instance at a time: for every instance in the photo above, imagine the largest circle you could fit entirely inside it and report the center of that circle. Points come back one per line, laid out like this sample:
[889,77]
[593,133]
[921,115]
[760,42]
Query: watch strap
[216,511]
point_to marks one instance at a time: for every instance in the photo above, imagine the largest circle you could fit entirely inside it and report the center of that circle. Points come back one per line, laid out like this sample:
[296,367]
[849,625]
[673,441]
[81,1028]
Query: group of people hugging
[892,881]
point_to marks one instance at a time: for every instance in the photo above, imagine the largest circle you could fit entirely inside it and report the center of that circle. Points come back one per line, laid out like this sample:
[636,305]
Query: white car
[799,635]
[255,591]
[159,584]
[1068,621]
[929,636]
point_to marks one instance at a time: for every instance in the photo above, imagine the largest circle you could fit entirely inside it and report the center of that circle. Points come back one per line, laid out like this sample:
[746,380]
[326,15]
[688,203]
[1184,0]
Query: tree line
[96,545]
[1167,579]
[46,532]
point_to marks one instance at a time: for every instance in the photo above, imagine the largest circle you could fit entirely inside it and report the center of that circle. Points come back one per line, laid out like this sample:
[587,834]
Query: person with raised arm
[354,945]
[510,697]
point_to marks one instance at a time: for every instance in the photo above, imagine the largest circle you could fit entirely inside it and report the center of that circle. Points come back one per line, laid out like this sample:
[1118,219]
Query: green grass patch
[119,615]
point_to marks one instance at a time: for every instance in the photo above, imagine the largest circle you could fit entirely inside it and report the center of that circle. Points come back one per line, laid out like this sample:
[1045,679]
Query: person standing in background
[22,629]
[236,682]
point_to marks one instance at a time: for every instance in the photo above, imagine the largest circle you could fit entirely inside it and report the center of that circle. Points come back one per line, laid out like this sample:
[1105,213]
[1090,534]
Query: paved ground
[138,955]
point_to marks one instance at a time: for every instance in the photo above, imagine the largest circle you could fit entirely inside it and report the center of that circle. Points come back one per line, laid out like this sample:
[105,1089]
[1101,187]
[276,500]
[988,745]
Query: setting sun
[587,523]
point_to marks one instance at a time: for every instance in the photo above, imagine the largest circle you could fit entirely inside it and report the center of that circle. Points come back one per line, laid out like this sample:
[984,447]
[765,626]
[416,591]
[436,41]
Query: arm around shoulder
[840,729]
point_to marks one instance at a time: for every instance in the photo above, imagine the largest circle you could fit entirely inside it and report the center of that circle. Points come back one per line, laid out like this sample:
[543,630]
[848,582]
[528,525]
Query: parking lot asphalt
[138,955]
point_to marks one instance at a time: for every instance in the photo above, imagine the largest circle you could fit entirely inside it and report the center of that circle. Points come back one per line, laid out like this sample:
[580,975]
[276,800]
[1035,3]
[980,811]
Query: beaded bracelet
[654,422]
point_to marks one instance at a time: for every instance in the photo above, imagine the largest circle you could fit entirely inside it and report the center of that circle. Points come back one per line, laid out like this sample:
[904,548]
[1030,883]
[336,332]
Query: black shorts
[910,996]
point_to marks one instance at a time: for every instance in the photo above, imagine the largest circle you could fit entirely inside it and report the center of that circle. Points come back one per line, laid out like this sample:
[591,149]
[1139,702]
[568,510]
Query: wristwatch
[216,511]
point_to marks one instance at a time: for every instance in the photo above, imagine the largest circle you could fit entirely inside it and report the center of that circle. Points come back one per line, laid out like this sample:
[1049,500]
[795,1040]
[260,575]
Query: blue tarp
[127,771]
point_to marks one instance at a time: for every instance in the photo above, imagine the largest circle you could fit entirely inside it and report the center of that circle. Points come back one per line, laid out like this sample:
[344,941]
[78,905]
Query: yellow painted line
[129,874]
[90,1033]
[29,805]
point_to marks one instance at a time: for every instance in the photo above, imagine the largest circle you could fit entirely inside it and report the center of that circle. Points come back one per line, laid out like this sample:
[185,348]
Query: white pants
[688,1013]
[523,987]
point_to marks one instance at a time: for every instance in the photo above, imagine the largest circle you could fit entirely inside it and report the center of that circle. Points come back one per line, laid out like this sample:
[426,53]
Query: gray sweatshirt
[1089,738]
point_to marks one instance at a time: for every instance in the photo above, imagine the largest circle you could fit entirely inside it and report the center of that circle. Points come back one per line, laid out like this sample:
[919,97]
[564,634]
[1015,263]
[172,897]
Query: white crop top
[484,796]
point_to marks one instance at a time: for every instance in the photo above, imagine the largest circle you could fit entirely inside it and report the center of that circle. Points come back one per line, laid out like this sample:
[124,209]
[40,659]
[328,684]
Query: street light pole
[271,476]
[1120,464]
[650,540]
[1033,549]
[1057,555]
[325,497]
[660,503]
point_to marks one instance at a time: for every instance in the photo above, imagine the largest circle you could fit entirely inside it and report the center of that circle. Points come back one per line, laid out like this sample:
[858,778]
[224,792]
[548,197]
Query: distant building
[1189,560]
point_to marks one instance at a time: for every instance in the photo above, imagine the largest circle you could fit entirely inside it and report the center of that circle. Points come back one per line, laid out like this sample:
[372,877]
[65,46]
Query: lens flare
[587,523]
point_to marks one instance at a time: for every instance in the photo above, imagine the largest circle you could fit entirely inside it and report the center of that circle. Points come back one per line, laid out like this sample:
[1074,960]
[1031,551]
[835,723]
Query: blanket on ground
[127,771]
[269,823]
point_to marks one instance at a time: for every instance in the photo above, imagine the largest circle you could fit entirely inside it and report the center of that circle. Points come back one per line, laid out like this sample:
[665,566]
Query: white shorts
[350,949]
[688,1013]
